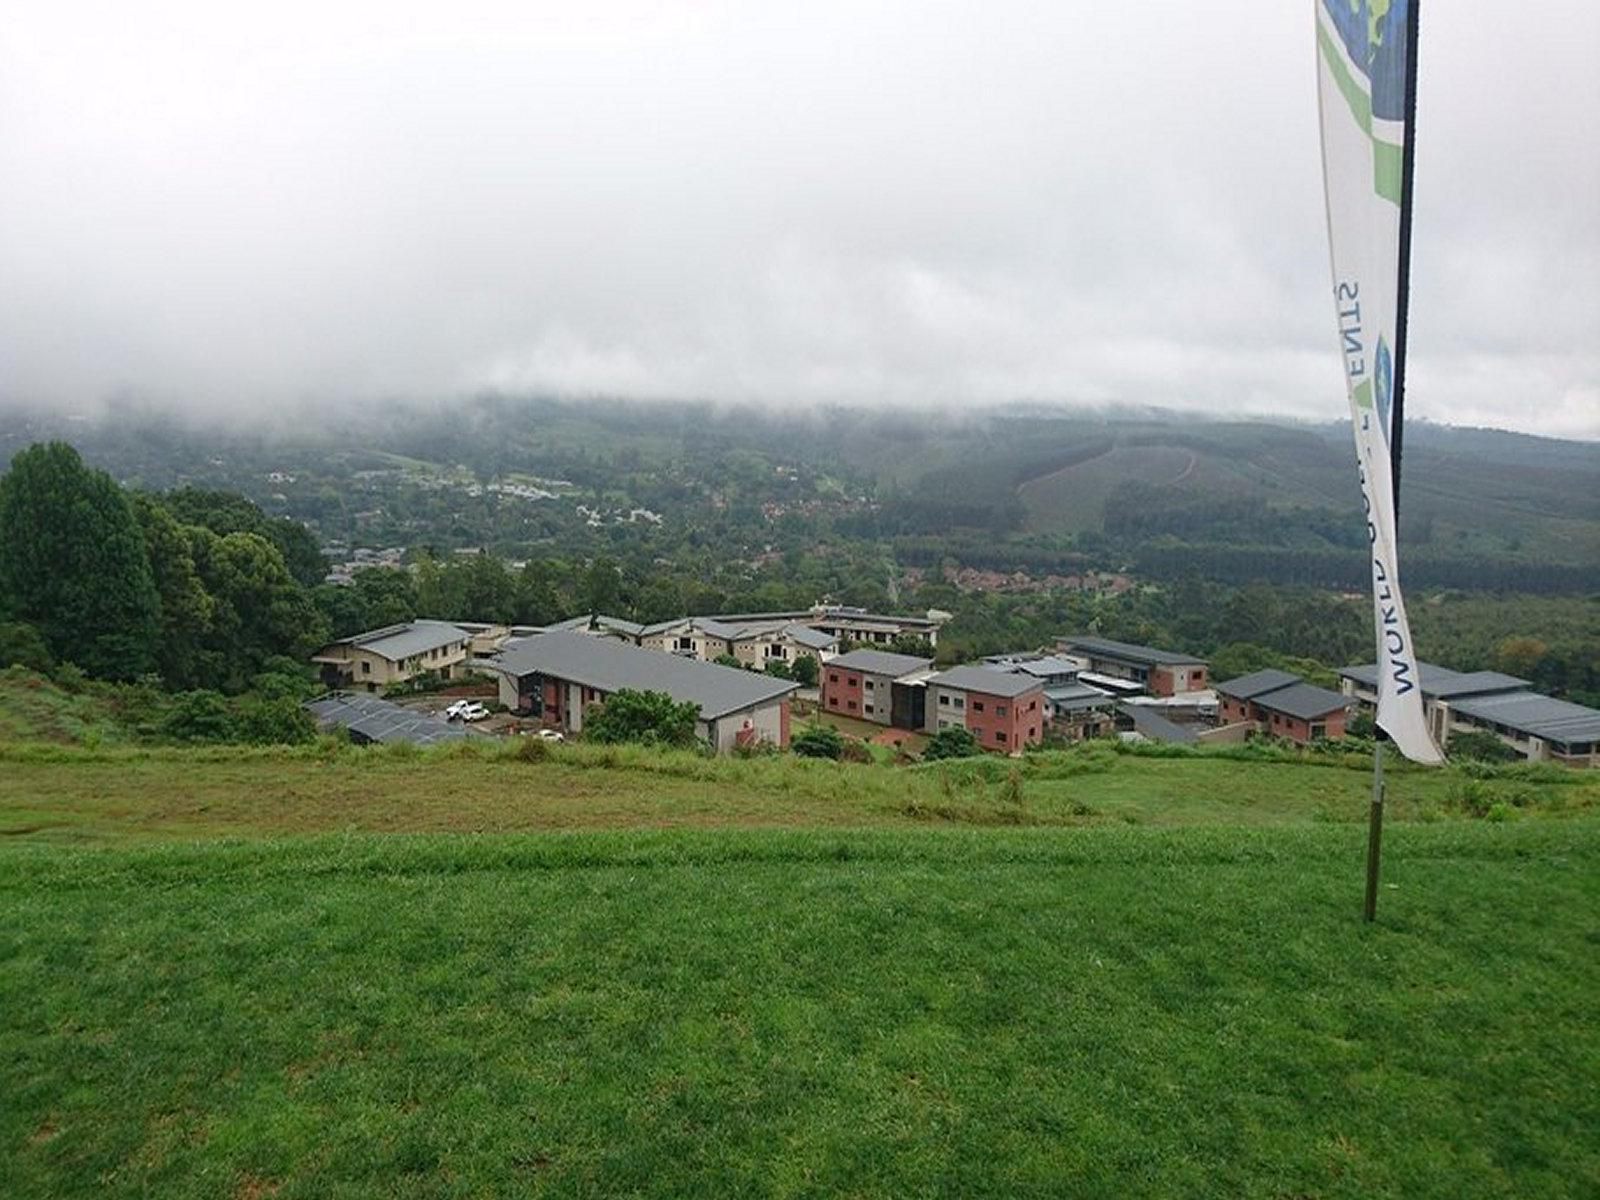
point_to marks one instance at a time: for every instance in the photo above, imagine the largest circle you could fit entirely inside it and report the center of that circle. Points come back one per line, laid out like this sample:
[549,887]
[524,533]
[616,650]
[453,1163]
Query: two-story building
[1005,711]
[878,686]
[1074,708]
[1159,672]
[1284,705]
[379,658]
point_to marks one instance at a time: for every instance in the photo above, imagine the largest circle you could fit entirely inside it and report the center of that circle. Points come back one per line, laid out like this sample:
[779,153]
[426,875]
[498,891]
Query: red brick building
[876,686]
[1006,712]
[1283,705]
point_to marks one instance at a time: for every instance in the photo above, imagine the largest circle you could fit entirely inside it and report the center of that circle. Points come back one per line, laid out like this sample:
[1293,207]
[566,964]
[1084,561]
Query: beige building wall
[372,672]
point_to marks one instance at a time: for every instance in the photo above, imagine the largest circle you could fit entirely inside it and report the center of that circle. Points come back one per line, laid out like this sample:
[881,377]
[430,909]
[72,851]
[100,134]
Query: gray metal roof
[986,680]
[1148,721]
[1303,700]
[806,636]
[1130,652]
[1073,696]
[1256,683]
[718,629]
[1040,666]
[663,626]
[399,642]
[598,621]
[610,666]
[1441,682]
[372,719]
[880,662]
[1541,716]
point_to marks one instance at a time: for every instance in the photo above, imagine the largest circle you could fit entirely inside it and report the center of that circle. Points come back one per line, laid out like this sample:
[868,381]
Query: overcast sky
[227,207]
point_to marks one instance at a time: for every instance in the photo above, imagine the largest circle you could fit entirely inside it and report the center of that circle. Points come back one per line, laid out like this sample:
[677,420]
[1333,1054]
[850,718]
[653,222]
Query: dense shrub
[279,720]
[22,643]
[818,741]
[954,742]
[200,716]
[649,718]
[1481,747]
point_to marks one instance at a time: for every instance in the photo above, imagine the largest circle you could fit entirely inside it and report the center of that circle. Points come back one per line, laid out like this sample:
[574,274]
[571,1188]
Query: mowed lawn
[1102,1011]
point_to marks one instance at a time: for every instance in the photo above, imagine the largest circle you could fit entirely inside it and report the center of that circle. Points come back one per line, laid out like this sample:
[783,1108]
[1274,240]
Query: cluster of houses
[1085,687]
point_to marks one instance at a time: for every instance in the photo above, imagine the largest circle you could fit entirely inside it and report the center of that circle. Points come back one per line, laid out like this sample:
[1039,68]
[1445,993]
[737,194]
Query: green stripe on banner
[1386,158]
[1359,101]
[1386,169]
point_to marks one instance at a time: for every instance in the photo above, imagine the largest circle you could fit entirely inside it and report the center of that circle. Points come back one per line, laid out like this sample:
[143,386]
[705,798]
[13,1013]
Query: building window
[977,706]
[852,704]
[866,708]
[868,685]
[1033,731]
[366,668]
[959,701]
[999,710]
[1000,736]
[943,699]
[832,678]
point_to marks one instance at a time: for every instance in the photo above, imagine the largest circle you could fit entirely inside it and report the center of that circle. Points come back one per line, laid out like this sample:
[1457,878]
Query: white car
[552,735]
[466,710]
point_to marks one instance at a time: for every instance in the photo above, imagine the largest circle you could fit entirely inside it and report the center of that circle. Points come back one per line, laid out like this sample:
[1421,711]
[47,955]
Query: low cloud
[902,204]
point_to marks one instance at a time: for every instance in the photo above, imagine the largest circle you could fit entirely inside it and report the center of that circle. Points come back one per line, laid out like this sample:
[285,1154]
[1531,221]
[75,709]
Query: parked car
[552,735]
[466,710]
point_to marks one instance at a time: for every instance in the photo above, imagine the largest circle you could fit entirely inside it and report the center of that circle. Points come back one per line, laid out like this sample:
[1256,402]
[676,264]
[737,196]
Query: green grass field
[244,974]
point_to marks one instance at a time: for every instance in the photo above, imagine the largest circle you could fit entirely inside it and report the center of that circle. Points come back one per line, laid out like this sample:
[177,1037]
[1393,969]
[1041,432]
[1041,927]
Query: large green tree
[73,563]
[228,512]
[186,606]
[260,611]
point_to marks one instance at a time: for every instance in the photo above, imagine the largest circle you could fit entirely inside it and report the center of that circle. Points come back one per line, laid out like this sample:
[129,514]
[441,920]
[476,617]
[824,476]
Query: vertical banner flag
[1363,80]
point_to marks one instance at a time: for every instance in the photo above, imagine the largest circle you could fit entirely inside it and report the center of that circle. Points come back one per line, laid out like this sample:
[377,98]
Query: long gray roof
[1129,651]
[1153,725]
[880,662]
[610,666]
[372,719]
[1256,683]
[598,621]
[1041,666]
[1072,696]
[1542,716]
[1304,700]
[807,636]
[399,642]
[986,680]
[1441,682]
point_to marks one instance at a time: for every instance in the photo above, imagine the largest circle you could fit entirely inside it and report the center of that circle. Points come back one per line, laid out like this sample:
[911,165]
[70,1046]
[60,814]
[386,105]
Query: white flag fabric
[1363,72]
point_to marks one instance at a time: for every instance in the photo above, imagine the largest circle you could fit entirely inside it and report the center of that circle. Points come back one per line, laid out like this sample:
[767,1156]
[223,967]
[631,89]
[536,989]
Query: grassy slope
[66,795]
[1093,1012]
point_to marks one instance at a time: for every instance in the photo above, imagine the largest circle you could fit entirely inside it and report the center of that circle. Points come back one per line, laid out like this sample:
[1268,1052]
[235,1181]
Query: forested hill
[1042,491]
